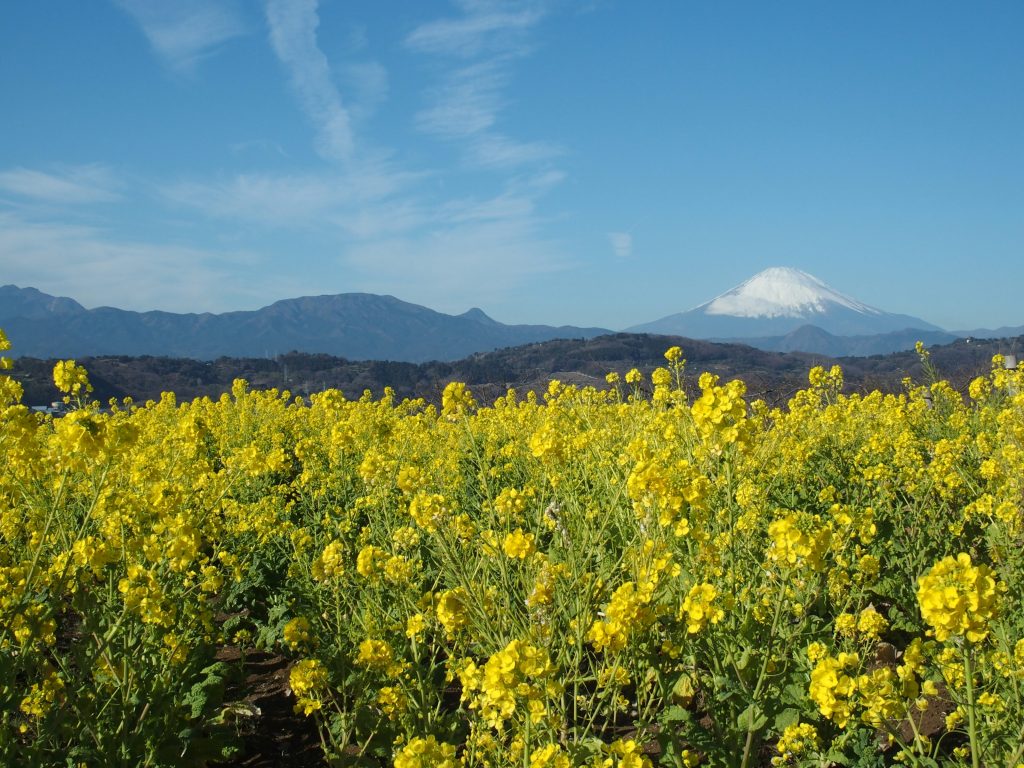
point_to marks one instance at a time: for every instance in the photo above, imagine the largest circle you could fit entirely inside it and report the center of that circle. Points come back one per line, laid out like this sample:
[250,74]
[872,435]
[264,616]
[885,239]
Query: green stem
[748,745]
[972,726]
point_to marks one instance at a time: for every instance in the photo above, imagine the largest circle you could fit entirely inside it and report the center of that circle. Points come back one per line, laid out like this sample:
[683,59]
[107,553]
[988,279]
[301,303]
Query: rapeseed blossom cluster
[627,612]
[426,753]
[308,681]
[833,684]
[720,413]
[702,607]
[958,598]
[520,677]
[795,742]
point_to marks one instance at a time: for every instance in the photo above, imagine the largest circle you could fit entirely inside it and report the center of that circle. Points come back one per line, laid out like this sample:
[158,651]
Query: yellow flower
[297,633]
[456,399]
[846,624]
[550,756]
[720,412]
[792,545]
[832,688]
[42,696]
[624,753]
[5,362]
[70,378]
[330,565]
[700,609]
[816,652]
[375,654]
[308,679]
[519,544]
[796,740]
[881,696]
[370,561]
[415,626]
[427,753]
[520,678]
[626,611]
[392,701]
[871,624]
[451,609]
[958,598]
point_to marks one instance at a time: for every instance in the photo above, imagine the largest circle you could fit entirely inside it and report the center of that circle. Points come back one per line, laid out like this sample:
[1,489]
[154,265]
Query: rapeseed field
[592,577]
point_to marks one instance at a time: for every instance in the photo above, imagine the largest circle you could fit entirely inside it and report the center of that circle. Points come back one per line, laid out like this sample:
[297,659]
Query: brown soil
[274,735]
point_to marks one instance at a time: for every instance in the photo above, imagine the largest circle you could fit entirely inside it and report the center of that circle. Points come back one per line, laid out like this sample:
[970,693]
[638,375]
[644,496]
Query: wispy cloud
[368,84]
[464,251]
[79,184]
[258,146]
[367,220]
[622,244]
[291,200]
[95,267]
[494,150]
[485,27]
[390,234]
[183,32]
[458,265]
[466,104]
[293,25]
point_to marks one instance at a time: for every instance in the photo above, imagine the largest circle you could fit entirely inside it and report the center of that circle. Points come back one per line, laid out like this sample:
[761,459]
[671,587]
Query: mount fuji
[777,303]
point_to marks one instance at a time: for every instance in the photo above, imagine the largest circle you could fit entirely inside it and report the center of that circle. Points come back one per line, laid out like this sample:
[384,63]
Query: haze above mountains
[779,309]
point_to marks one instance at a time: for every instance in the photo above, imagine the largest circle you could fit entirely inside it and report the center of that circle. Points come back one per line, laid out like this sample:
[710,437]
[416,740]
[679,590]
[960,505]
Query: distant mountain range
[357,326]
[780,310]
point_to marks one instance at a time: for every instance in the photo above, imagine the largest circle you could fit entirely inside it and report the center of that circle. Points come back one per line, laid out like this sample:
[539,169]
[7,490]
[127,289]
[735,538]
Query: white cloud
[464,251]
[622,244]
[484,27]
[367,81]
[391,235]
[464,263]
[258,146]
[466,104]
[292,200]
[497,151]
[183,32]
[293,25]
[96,268]
[79,184]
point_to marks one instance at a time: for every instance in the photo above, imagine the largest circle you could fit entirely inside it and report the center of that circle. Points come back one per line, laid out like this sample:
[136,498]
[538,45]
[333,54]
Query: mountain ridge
[352,325]
[779,309]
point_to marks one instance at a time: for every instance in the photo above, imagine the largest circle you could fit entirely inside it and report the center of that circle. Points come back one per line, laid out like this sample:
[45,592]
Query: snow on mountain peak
[782,292]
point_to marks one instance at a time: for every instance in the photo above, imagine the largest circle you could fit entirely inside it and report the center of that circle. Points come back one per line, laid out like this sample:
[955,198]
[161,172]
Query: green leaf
[675,714]
[684,690]
[208,692]
[744,660]
[794,693]
[786,718]
[752,718]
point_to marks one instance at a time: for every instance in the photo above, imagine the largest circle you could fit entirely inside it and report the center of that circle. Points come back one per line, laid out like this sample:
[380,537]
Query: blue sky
[594,163]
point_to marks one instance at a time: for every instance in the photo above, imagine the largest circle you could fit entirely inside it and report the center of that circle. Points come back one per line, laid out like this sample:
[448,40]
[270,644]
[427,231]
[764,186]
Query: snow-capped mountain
[776,302]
